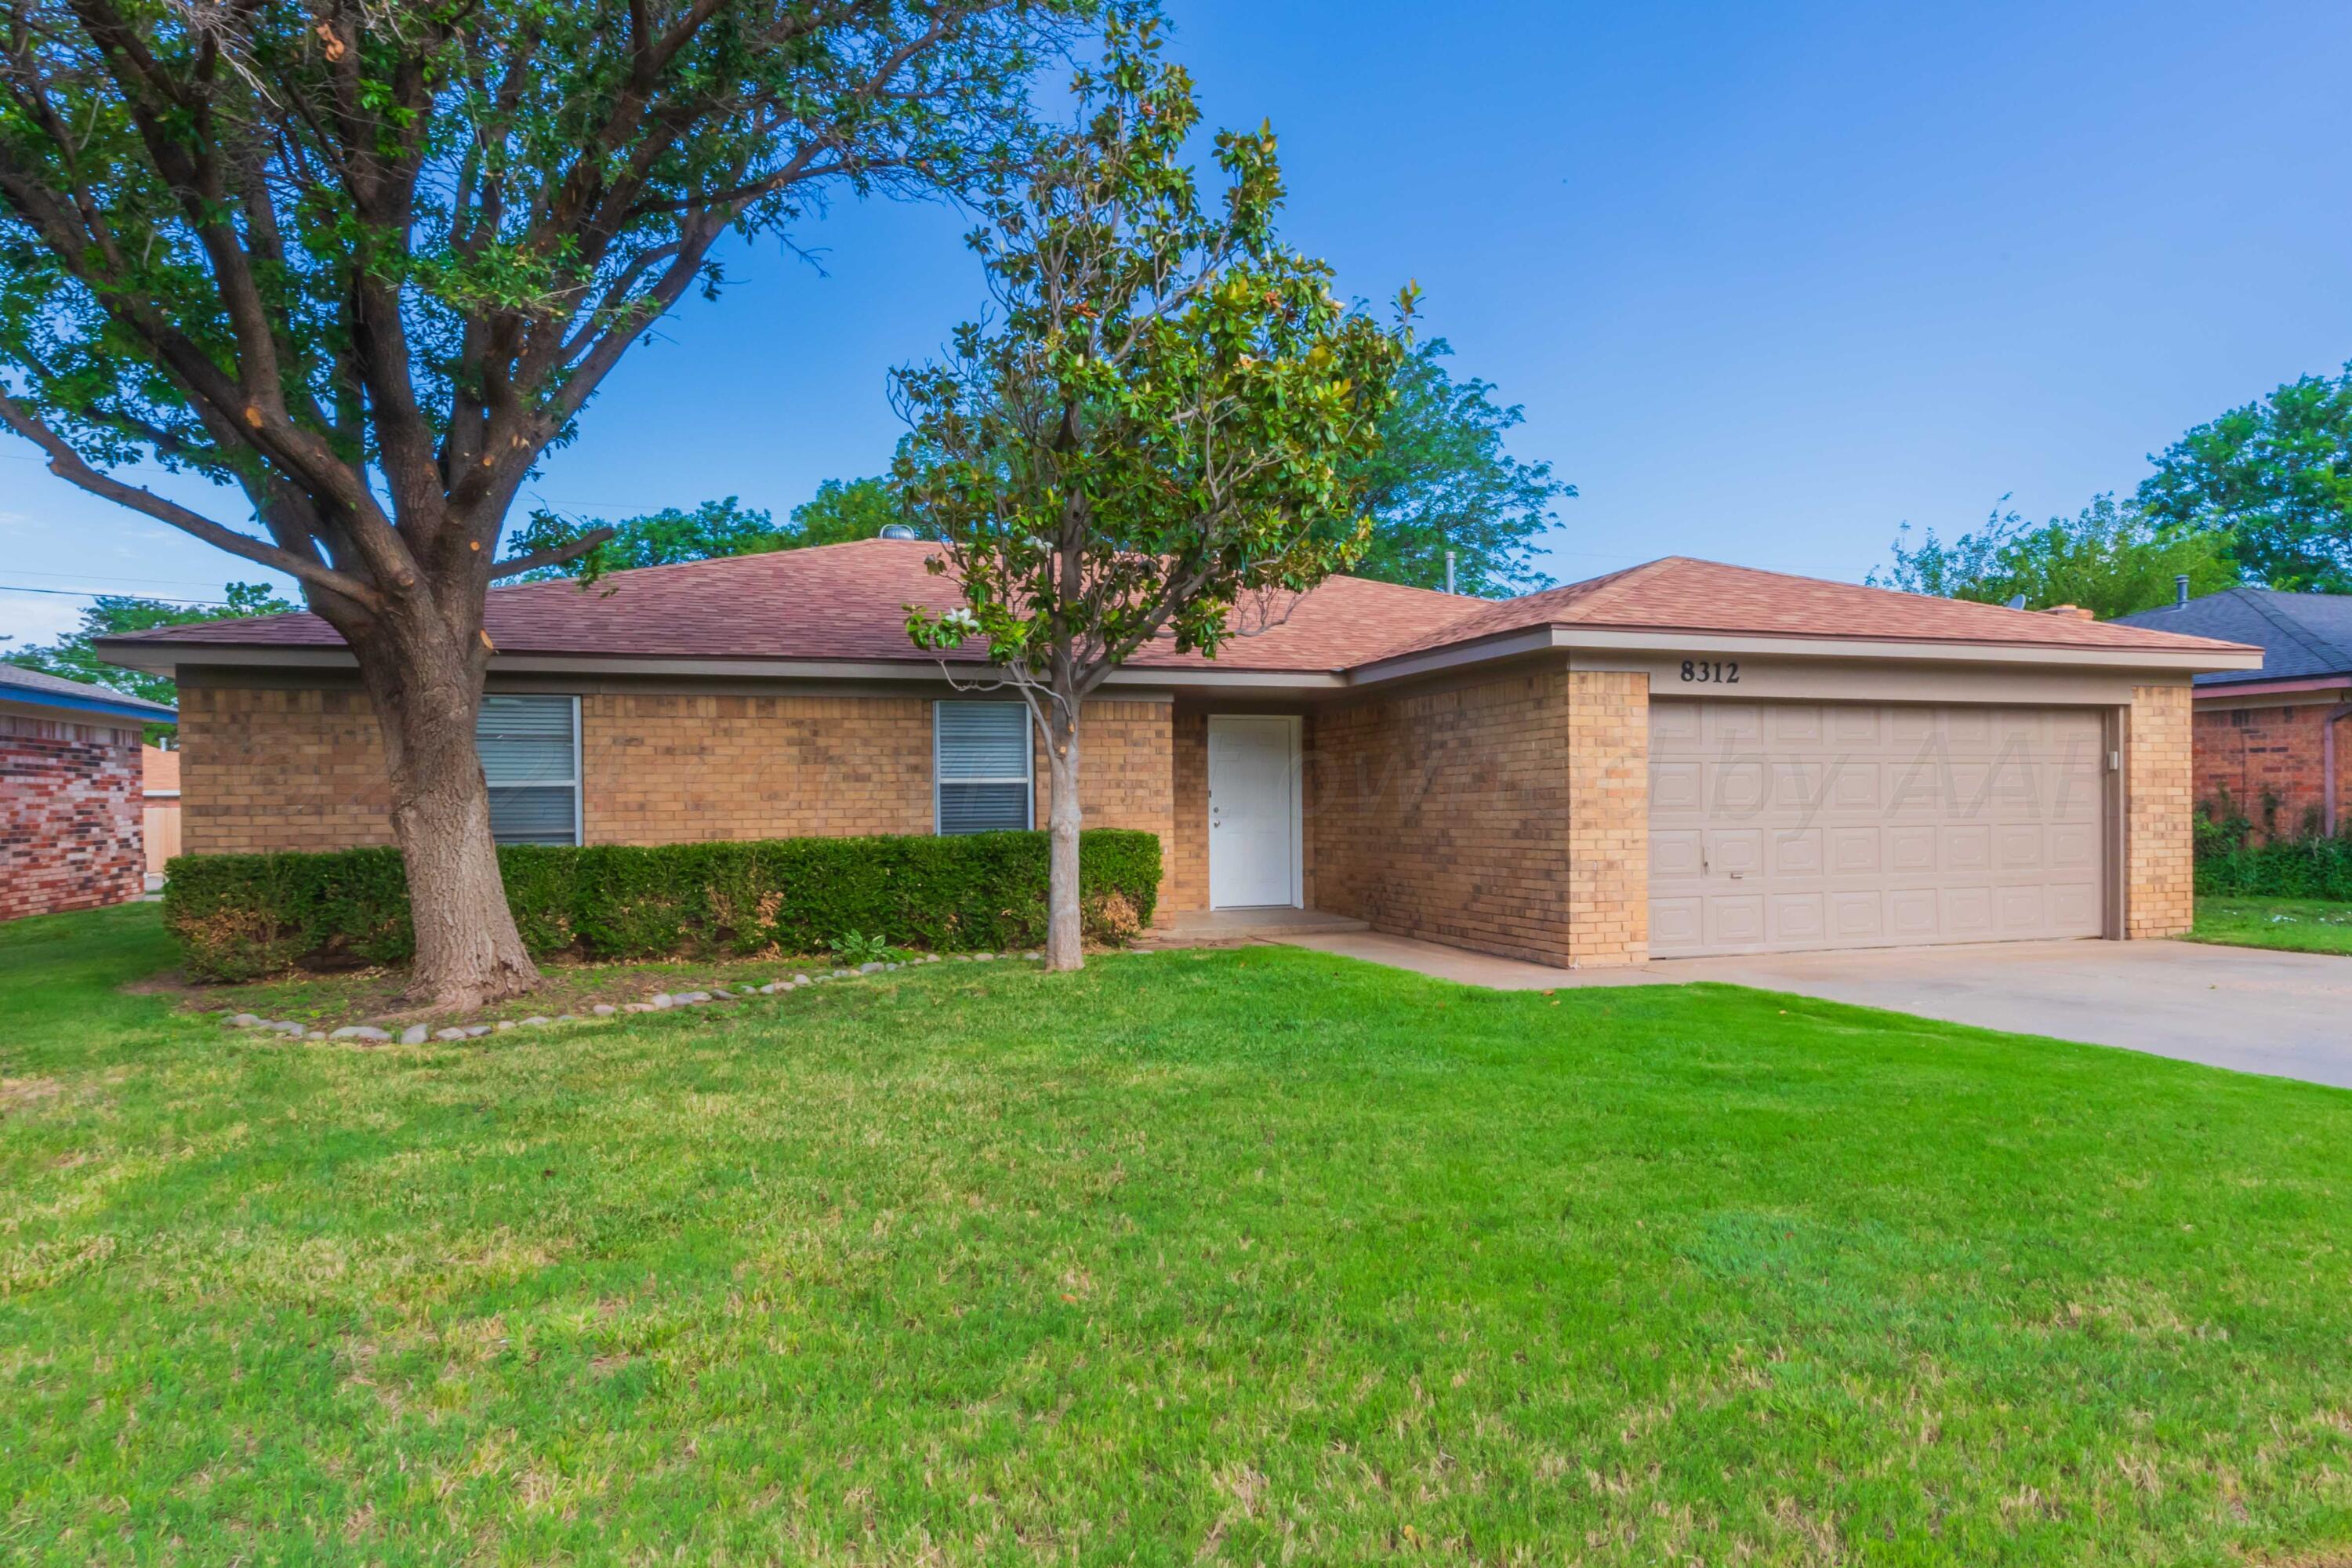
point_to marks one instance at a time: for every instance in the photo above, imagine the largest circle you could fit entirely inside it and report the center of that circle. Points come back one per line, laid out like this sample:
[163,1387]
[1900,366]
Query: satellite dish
[897,530]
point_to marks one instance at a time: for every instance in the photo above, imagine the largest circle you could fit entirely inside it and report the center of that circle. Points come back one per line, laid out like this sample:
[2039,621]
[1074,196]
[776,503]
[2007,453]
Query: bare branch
[554,555]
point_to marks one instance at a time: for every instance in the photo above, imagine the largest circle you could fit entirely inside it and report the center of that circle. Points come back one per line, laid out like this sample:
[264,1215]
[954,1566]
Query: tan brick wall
[266,769]
[1126,765]
[2159,849]
[1187,848]
[1446,815]
[263,769]
[1608,817]
[666,768]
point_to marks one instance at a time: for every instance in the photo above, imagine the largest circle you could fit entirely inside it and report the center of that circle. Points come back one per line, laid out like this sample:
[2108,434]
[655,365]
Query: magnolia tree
[361,263]
[1151,437]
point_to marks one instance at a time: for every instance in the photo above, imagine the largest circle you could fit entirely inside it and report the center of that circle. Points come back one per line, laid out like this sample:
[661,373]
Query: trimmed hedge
[236,917]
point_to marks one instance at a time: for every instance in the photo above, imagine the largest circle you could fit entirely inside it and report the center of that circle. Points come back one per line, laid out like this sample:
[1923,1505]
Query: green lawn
[1242,1256]
[2299,925]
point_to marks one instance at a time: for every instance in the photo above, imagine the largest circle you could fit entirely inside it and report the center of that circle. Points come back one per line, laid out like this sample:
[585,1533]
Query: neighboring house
[2272,739]
[69,793]
[159,795]
[1682,757]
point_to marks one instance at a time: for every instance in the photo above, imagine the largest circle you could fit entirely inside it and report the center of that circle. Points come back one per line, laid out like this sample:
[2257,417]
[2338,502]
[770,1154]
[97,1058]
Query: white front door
[1253,816]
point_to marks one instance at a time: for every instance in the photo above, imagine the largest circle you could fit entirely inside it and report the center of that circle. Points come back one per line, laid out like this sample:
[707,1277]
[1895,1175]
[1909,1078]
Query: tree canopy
[1155,427]
[841,510]
[113,615]
[2276,476]
[2111,559]
[362,263]
[1439,479]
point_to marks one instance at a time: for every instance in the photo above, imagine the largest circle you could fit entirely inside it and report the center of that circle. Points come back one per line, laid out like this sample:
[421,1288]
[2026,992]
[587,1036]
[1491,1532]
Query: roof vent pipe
[2180,590]
[1449,571]
[897,530]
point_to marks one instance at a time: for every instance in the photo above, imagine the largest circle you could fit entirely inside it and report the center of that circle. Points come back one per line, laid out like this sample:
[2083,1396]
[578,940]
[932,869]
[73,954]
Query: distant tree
[840,512]
[2110,557]
[2277,476]
[844,510]
[113,615]
[1156,428]
[1441,481]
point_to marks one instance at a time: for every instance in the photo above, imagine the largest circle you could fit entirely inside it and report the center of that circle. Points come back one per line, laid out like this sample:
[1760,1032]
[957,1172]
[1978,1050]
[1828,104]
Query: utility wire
[85,593]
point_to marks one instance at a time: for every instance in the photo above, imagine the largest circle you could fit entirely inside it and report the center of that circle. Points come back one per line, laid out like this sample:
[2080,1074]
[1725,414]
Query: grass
[2297,925]
[1248,1256]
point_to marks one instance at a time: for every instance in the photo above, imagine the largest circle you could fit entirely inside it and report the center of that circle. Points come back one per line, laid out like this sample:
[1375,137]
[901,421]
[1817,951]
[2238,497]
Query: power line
[85,593]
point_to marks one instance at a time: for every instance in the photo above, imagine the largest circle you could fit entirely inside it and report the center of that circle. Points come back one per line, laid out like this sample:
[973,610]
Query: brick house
[69,793]
[1679,759]
[2270,741]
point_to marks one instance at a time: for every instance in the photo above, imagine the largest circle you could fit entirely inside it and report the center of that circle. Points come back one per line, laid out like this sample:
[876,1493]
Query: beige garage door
[1779,826]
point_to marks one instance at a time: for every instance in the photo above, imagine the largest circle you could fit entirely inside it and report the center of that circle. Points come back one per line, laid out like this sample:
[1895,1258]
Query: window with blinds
[530,758]
[982,763]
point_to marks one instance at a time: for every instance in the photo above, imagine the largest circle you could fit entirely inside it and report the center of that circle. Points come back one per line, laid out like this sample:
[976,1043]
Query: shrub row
[2231,865]
[236,917]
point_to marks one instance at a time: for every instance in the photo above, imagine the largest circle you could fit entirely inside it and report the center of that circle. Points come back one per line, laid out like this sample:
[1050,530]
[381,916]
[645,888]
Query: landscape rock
[537,1019]
[844,974]
[415,1035]
[692,997]
[316,1035]
[358,1032]
[604,1009]
[477,1031]
[640,1007]
[286,1027]
[872,966]
[448,1034]
[505,1024]
[245,1021]
[799,980]
[662,999]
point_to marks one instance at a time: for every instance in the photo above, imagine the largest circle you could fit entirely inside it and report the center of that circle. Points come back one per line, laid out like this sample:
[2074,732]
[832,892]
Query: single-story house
[70,793]
[1682,757]
[2270,739]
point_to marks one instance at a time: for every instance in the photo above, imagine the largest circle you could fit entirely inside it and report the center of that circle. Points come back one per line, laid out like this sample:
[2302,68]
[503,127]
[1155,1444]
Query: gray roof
[45,691]
[2301,634]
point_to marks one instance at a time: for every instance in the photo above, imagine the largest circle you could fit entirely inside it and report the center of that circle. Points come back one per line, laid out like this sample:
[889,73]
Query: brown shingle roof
[1680,594]
[844,602]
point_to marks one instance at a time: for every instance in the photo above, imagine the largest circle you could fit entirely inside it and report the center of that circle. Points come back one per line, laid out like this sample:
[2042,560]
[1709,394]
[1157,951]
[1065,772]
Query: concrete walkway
[2248,1009]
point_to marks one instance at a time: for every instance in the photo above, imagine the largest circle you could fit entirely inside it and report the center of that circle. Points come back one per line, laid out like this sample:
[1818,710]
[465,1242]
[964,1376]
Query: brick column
[2159,869]
[1608,819]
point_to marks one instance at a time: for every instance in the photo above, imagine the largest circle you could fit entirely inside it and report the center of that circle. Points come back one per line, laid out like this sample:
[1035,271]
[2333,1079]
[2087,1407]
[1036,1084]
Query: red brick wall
[70,803]
[2260,755]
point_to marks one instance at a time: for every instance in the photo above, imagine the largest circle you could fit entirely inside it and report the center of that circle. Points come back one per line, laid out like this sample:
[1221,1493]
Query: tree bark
[426,689]
[1065,931]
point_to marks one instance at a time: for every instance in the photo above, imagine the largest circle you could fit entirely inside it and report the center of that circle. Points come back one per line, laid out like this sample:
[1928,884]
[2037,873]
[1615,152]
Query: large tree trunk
[1065,931]
[426,693]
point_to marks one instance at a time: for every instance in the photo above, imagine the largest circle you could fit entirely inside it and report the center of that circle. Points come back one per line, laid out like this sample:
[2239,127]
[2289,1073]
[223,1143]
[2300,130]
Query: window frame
[1028,780]
[577,783]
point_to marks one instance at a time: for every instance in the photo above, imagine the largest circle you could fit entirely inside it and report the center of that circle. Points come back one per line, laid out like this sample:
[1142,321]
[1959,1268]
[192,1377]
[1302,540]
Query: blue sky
[1768,279]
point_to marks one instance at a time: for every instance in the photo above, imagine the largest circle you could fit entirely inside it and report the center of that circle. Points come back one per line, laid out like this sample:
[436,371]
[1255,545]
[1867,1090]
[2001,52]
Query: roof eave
[1525,640]
[132,707]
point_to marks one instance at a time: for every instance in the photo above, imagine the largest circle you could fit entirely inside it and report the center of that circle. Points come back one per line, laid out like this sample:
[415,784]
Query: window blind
[531,759]
[981,762]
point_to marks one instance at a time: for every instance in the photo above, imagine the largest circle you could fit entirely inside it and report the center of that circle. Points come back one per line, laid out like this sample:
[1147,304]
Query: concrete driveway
[2285,1014]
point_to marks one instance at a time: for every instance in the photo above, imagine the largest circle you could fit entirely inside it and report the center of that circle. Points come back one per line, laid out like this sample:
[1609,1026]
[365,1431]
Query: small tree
[2110,559]
[1156,431]
[363,262]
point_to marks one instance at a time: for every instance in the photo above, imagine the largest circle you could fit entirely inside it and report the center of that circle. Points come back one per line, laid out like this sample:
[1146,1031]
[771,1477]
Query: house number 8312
[1705,671]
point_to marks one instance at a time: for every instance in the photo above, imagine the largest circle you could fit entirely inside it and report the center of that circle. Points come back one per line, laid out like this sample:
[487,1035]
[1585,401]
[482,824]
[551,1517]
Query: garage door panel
[1856,851]
[1677,923]
[1677,786]
[1966,912]
[1798,920]
[1967,848]
[1676,855]
[1857,919]
[1736,788]
[2074,846]
[1794,825]
[1910,851]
